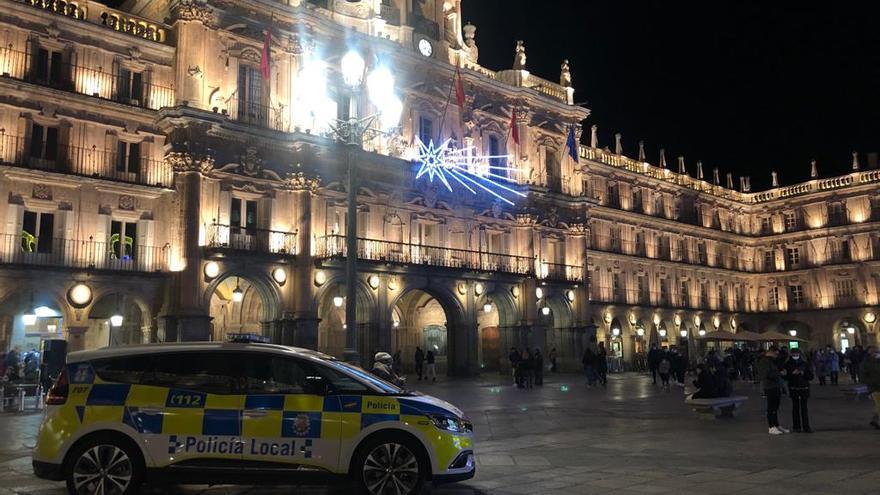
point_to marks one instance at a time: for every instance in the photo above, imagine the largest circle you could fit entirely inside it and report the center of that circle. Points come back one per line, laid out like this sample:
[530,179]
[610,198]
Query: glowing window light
[29,318]
[451,166]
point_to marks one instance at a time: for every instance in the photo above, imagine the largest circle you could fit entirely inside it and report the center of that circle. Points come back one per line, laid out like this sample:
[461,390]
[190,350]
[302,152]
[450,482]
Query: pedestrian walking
[432,370]
[589,362]
[553,368]
[602,364]
[855,357]
[799,374]
[420,362]
[771,381]
[514,357]
[664,368]
[833,364]
[538,367]
[528,372]
[397,363]
[871,378]
[654,357]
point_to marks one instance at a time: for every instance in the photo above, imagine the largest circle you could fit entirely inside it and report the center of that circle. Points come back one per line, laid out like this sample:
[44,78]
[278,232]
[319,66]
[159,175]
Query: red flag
[459,88]
[514,130]
[266,62]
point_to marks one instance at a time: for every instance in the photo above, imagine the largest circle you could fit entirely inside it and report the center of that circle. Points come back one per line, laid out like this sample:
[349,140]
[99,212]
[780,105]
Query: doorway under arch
[27,319]
[332,326]
[428,322]
[238,305]
[494,326]
[115,319]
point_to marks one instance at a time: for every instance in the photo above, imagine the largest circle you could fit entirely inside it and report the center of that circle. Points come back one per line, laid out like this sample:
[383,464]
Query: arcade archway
[496,318]
[332,327]
[26,319]
[239,305]
[116,319]
[428,321]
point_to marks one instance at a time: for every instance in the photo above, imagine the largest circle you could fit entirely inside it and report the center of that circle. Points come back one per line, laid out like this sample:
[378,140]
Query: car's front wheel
[104,465]
[391,465]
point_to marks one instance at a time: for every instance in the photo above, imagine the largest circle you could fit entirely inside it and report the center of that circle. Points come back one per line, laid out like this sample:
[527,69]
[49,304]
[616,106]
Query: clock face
[425,47]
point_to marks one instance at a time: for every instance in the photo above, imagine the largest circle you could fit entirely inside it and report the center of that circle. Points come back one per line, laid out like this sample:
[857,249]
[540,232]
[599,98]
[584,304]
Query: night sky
[746,86]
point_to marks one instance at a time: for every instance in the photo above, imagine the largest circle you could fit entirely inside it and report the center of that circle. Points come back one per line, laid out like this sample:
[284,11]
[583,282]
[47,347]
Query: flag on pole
[266,62]
[572,145]
[514,130]
[459,88]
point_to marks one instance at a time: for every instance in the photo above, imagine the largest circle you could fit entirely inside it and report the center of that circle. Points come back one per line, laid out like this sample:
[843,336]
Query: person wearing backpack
[664,367]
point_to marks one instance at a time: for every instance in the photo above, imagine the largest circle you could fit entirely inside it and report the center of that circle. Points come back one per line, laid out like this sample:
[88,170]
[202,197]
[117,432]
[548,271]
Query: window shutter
[101,240]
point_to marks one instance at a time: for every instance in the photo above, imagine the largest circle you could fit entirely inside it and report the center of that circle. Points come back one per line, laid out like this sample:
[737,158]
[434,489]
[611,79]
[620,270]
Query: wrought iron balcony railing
[125,87]
[252,240]
[106,17]
[333,246]
[560,272]
[87,162]
[27,250]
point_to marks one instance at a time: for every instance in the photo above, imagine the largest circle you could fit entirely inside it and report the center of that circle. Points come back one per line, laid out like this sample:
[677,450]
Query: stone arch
[21,299]
[496,327]
[135,319]
[332,326]
[260,305]
[431,315]
[842,336]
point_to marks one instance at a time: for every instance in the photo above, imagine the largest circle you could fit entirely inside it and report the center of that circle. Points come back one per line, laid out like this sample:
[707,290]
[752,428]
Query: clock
[425,47]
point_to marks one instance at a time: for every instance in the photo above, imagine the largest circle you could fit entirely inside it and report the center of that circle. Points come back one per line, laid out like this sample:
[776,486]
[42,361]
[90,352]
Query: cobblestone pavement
[628,438]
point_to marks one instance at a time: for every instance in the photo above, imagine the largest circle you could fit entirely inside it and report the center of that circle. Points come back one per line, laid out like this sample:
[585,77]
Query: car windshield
[363,375]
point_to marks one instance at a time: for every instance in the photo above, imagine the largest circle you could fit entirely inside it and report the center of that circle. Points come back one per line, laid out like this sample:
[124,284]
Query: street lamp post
[351,132]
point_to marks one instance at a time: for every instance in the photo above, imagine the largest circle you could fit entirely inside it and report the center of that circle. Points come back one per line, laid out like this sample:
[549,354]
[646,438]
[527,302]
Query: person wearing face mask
[871,376]
[799,375]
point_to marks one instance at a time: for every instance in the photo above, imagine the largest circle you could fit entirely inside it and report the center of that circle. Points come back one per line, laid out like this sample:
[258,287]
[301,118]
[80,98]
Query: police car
[242,413]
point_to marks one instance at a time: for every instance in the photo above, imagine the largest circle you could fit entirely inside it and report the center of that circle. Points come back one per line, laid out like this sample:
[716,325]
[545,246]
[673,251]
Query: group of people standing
[668,364]
[527,367]
[782,372]
[18,366]
[595,363]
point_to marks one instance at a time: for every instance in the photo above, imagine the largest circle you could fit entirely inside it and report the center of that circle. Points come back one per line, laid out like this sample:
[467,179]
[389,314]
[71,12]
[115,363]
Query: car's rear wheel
[104,465]
[391,465]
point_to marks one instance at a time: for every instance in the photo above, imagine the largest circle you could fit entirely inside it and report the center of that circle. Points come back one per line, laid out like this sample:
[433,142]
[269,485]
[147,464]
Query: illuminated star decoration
[462,166]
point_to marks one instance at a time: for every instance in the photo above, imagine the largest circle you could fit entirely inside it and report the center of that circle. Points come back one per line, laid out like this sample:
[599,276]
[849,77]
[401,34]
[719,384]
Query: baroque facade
[162,163]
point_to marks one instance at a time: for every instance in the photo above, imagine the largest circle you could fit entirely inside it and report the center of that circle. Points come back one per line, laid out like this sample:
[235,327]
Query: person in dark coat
[553,367]
[705,383]
[514,357]
[602,364]
[420,362]
[771,381]
[589,362]
[538,367]
[799,374]
[654,356]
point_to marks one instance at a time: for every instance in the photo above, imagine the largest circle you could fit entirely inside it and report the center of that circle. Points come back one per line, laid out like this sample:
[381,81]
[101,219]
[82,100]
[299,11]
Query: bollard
[21,400]
[2,398]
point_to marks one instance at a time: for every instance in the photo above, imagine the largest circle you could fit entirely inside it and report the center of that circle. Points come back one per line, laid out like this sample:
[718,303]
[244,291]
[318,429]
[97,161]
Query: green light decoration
[128,246]
[28,241]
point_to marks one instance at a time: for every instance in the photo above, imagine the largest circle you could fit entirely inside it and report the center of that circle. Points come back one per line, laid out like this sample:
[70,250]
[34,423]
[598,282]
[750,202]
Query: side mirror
[316,385]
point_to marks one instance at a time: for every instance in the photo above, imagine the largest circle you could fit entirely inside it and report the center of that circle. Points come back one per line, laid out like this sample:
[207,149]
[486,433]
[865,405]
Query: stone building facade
[163,163]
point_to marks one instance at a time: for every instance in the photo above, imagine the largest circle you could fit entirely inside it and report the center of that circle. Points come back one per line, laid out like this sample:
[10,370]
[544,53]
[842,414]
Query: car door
[189,409]
[283,416]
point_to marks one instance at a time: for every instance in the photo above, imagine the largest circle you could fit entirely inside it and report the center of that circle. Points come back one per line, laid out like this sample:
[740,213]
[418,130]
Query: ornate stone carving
[184,162]
[127,203]
[134,52]
[42,191]
[194,71]
[194,10]
[360,9]
[251,162]
[470,32]
[299,182]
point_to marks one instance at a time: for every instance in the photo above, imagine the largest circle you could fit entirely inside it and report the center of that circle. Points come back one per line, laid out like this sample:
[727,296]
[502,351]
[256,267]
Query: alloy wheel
[391,469]
[102,470]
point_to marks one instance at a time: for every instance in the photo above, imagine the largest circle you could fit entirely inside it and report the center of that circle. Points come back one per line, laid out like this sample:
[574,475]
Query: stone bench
[719,406]
[856,391]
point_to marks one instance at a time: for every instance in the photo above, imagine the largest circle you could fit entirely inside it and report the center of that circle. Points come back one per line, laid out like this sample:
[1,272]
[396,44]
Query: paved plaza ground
[629,438]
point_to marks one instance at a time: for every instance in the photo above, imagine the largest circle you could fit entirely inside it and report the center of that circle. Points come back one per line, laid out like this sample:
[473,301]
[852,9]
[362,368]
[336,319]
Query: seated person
[706,382]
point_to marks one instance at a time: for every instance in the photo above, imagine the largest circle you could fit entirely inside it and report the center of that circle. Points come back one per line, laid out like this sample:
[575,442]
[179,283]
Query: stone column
[188,320]
[194,23]
[304,323]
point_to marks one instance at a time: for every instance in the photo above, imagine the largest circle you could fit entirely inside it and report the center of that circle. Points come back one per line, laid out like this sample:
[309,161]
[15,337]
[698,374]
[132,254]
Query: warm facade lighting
[79,295]
[373,281]
[116,320]
[320,278]
[212,269]
[279,275]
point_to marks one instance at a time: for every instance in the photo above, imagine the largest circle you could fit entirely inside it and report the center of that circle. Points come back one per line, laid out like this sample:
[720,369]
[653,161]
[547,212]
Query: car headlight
[451,423]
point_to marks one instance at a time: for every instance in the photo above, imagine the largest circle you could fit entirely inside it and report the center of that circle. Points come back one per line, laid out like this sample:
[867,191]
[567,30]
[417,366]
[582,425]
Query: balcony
[333,246]
[561,273]
[86,162]
[250,240]
[259,115]
[127,88]
[110,19]
[26,250]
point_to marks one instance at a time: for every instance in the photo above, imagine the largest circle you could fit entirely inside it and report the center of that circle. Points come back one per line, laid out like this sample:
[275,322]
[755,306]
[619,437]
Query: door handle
[151,410]
[255,413]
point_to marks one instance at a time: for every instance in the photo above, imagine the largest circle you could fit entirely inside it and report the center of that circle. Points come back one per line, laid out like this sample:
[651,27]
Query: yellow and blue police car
[242,413]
